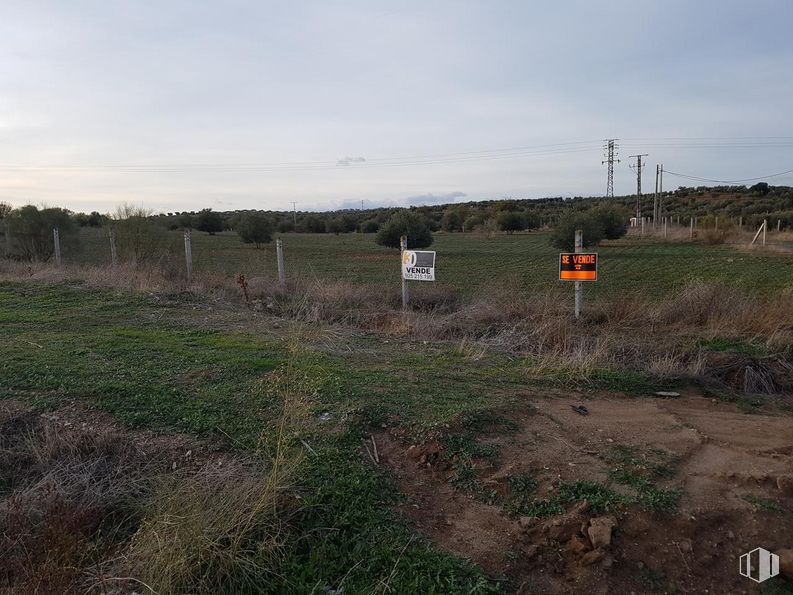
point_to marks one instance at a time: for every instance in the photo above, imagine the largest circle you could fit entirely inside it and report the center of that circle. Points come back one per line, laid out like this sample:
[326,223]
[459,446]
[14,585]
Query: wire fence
[467,263]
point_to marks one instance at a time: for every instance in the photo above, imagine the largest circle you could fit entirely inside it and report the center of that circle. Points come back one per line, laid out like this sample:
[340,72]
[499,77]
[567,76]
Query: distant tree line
[26,232]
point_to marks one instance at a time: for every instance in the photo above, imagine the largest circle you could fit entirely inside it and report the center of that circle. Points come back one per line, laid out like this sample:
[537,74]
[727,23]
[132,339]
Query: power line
[700,179]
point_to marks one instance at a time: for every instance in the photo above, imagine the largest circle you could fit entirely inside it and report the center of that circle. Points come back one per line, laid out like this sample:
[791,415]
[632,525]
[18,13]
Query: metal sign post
[579,287]
[578,266]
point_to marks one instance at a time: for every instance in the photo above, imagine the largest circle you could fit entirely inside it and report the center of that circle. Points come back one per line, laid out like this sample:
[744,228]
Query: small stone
[592,557]
[600,531]
[173,466]
[730,535]
[686,546]
[525,522]
[531,551]
[577,545]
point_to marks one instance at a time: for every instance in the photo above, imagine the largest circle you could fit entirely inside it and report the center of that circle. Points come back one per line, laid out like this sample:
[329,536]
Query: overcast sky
[180,105]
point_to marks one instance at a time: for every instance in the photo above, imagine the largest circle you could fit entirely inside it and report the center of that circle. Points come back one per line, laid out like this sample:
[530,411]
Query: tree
[209,221]
[370,226]
[31,231]
[335,225]
[563,236]
[138,237]
[473,222]
[452,220]
[313,224]
[255,228]
[5,209]
[510,221]
[761,188]
[185,220]
[405,223]
[613,220]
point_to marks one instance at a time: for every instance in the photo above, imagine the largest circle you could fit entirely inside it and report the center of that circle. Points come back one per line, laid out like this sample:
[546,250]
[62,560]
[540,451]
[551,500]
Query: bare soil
[722,456]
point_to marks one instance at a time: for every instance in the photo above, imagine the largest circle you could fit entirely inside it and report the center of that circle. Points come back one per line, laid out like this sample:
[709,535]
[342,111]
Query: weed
[764,504]
[599,497]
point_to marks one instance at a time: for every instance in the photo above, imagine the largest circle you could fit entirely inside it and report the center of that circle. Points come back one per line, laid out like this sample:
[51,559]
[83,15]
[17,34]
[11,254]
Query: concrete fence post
[56,239]
[279,249]
[113,253]
[188,254]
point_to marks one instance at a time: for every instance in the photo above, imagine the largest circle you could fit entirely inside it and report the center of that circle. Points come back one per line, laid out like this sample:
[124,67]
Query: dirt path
[726,465]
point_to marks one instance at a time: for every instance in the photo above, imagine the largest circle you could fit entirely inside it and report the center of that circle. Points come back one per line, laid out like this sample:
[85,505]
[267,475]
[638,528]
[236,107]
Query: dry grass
[63,487]
[85,508]
[654,337]
[223,528]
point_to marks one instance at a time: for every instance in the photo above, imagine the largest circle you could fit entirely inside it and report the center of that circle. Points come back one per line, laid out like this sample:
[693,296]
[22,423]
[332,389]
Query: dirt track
[722,456]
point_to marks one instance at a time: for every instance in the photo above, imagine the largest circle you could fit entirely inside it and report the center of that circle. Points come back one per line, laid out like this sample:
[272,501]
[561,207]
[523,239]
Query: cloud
[432,199]
[348,160]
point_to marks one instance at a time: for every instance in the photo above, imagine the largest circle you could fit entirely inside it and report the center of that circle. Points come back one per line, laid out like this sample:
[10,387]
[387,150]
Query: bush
[335,225]
[313,224]
[209,221]
[613,219]
[370,226]
[138,237]
[31,232]
[452,220]
[405,223]
[255,228]
[510,221]
[563,236]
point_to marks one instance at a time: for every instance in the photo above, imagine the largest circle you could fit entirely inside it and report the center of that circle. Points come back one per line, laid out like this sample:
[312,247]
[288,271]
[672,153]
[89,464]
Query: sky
[177,105]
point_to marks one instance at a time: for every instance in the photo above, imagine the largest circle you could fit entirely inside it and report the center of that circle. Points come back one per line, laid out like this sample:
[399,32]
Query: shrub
[335,225]
[452,220]
[255,228]
[138,237]
[405,223]
[510,221]
[5,209]
[563,236]
[370,226]
[613,219]
[209,221]
[31,232]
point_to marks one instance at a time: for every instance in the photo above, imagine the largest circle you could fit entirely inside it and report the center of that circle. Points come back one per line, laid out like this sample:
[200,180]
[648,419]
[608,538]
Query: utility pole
[638,168]
[610,147]
[661,191]
[294,210]
[655,198]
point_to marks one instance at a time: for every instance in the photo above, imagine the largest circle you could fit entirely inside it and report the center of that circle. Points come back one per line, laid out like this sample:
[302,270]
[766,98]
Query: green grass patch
[764,503]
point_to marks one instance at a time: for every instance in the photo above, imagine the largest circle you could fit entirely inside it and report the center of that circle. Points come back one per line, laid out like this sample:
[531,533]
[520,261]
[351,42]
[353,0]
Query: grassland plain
[142,360]
[472,262]
[177,362]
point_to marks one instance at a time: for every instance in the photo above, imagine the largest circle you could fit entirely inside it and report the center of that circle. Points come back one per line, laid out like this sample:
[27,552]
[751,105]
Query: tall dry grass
[640,333]
[224,528]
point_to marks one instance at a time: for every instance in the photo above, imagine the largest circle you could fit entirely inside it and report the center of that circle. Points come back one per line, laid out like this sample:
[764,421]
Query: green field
[473,262]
